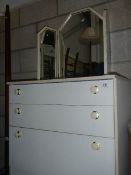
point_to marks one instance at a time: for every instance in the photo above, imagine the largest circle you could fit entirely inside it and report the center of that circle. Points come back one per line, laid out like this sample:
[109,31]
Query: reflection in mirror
[47,53]
[82,52]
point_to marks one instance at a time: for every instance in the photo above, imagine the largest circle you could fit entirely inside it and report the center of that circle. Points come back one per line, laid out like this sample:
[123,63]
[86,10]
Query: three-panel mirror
[77,49]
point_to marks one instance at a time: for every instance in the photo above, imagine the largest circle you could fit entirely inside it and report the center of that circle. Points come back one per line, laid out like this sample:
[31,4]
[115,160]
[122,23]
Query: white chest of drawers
[69,127]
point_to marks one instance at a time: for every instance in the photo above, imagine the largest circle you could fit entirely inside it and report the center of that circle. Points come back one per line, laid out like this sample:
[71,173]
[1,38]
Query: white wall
[14,3]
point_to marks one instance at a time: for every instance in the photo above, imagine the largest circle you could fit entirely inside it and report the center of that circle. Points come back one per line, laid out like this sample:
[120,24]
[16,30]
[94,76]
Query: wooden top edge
[103,77]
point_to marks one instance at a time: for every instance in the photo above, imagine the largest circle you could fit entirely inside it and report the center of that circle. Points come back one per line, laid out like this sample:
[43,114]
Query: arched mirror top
[79,12]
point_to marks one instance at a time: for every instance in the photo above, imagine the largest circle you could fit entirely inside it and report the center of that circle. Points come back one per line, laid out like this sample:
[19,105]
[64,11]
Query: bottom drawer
[35,152]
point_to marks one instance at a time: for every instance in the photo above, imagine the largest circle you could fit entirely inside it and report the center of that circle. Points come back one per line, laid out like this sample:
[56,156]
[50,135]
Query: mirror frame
[39,37]
[106,41]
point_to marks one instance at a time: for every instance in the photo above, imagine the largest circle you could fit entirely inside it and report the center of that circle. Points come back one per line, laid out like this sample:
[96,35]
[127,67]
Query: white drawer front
[88,120]
[51,153]
[68,93]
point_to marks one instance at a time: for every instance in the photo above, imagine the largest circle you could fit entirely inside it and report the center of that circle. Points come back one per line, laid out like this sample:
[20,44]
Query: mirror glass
[47,54]
[82,52]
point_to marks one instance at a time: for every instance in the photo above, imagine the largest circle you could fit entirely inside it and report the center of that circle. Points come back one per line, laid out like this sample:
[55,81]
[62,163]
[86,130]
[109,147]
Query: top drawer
[67,93]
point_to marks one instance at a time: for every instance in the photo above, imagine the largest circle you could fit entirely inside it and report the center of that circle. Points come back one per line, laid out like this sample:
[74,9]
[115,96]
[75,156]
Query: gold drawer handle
[95,115]
[96,146]
[18,111]
[18,91]
[94,89]
[18,133]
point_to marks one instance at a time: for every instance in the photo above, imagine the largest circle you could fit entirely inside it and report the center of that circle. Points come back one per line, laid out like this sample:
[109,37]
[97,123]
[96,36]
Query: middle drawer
[87,120]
